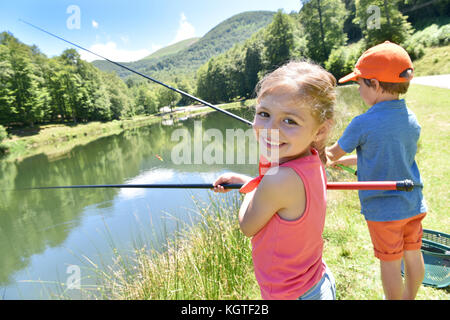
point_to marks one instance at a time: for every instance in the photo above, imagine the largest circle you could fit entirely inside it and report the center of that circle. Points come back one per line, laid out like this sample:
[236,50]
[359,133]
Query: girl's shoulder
[286,188]
[282,180]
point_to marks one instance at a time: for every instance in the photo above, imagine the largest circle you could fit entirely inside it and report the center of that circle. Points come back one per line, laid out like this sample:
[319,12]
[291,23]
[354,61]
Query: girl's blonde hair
[313,85]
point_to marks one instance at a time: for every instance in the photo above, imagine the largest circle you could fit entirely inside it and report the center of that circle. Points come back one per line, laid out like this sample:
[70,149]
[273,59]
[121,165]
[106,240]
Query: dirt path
[441,81]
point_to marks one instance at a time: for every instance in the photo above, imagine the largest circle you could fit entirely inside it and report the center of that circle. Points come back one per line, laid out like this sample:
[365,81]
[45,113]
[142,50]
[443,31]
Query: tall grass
[209,260]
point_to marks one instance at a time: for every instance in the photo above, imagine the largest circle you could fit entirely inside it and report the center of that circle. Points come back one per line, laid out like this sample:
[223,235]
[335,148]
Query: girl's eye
[263,114]
[289,121]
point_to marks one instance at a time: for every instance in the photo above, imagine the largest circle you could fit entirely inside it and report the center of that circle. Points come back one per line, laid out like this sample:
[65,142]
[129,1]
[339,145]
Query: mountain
[184,58]
[174,48]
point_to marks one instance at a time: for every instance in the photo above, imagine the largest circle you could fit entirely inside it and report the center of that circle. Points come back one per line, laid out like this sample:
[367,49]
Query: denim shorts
[325,289]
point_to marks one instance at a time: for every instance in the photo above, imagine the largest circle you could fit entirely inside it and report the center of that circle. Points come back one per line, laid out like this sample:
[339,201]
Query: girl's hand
[229,178]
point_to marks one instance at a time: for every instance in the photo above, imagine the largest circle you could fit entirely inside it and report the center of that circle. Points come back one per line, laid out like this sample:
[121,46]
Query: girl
[284,208]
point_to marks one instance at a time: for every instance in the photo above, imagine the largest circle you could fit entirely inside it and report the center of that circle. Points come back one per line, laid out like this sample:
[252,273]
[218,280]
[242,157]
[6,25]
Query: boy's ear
[375,84]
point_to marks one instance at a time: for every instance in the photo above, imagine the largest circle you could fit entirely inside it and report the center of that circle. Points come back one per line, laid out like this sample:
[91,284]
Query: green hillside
[174,48]
[185,62]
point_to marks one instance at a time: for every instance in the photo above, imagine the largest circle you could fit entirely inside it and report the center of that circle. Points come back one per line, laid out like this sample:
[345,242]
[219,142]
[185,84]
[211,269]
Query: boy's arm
[350,160]
[334,153]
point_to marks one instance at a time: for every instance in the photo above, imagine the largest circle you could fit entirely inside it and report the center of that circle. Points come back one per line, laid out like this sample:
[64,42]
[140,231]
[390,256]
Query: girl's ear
[323,130]
[321,138]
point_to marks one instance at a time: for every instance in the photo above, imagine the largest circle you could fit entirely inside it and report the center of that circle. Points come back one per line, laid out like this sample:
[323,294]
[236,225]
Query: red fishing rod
[406,185]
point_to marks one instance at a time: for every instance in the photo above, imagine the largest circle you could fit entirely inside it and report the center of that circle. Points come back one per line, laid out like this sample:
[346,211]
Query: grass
[436,60]
[209,260]
[212,259]
[58,139]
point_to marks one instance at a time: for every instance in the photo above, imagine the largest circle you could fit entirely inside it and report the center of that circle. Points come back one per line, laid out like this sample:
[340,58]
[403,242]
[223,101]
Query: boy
[385,139]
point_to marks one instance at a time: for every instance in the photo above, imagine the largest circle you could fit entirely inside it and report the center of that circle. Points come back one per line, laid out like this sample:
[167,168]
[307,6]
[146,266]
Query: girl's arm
[229,178]
[283,191]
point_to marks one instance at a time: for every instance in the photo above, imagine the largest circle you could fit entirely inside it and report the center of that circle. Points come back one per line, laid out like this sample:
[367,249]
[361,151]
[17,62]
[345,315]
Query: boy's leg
[391,279]
[413,259]
[414,273]
[387,240]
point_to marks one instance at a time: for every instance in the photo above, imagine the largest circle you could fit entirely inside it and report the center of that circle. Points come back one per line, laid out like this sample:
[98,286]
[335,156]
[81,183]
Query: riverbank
[212,260]
[57,140]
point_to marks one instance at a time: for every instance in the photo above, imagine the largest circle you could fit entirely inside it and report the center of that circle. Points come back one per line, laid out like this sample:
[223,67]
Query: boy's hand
[345,161]
[229,178]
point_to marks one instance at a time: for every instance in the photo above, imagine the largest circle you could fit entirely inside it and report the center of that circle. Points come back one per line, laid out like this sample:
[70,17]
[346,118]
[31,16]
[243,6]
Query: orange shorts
[391,238]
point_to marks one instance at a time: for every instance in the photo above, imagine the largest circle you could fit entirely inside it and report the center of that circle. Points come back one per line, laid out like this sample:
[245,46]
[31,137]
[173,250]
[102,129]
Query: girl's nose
[271,124]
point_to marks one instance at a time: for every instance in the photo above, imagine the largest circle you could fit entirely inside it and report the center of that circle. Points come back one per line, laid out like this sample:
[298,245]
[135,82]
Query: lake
[47,237]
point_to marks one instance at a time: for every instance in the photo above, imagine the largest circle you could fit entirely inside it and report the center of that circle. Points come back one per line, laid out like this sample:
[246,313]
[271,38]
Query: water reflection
[35,226]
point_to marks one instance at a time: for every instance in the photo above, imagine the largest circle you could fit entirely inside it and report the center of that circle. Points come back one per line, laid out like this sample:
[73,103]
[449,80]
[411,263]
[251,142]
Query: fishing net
[436,256]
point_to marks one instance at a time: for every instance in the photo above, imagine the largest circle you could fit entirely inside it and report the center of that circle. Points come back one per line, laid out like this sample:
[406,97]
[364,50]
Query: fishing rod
[151,79]
[405,185]
[143,75]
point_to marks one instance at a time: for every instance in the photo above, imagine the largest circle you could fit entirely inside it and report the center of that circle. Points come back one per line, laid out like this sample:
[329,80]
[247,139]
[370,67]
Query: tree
[422,12]
[167,97]
[146,100]
[323,21]
[121,104]
[278,41]
[184,85]
[253,64]
[350,28]
[3,134]
[7,98]
[380,20]
[212,79]
[26,83]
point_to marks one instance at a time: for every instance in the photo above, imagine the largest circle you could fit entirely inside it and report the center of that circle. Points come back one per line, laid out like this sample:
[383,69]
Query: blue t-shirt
[385,138]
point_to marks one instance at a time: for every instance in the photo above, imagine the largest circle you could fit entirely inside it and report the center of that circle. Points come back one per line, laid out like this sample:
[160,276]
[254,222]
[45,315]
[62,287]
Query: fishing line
[143,75]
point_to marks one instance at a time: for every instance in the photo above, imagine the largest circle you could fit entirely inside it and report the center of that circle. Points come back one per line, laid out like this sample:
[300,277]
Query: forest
[333,33]
[35,89]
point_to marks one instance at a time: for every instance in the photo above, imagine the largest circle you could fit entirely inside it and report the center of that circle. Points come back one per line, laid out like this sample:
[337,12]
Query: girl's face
[295,125]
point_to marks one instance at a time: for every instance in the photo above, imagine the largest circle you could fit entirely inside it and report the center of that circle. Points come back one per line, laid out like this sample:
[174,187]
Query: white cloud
[110,51]
[185,30]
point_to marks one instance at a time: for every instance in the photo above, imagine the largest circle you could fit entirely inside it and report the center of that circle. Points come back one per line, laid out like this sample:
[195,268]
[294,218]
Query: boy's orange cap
[384,62]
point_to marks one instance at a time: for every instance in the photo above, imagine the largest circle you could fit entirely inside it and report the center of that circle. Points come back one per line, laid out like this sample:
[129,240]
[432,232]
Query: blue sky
[122,30]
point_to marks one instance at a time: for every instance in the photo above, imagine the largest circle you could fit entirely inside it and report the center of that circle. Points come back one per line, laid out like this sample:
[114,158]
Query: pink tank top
[287,255]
